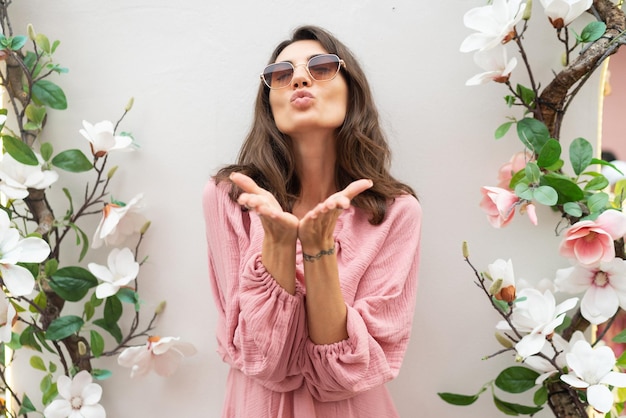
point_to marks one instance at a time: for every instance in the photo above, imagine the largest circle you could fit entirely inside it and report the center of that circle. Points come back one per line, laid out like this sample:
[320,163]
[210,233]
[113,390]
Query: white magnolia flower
[13,249]
[536,314]
[7,315]
[102,138]
[503,270]
[122,269]
[16,178]
[592,369]
[118,222]
[604,287]
[496,64]
[563,12]
[494,24]
[546,368]
[80,398]
[161,354]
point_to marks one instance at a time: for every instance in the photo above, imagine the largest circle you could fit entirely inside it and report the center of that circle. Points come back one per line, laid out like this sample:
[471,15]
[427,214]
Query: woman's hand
[316,228]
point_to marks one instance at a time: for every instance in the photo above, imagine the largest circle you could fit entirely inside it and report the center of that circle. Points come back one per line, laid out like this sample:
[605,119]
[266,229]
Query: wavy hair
[267,155]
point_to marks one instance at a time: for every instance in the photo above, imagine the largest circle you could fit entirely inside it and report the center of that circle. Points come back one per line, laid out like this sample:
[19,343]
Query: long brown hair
[362,149]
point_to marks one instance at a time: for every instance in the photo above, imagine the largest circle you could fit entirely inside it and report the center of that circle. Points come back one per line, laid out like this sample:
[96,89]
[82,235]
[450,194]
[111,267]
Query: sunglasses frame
[340,63]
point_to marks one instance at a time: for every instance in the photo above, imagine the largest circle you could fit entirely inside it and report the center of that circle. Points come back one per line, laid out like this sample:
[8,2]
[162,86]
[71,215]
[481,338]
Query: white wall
[193,65]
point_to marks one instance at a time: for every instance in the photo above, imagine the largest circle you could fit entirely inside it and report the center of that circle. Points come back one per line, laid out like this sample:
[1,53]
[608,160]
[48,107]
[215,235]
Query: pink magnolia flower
[604,288]
[499,205]
[102,138]
[496,64]
[161,354]
[516,163]
[592,241]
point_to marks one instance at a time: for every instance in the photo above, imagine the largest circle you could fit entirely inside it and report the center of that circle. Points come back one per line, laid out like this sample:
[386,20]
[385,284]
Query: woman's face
[306,104]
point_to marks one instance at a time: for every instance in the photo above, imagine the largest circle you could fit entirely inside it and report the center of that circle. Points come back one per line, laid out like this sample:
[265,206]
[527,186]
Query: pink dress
[276,370]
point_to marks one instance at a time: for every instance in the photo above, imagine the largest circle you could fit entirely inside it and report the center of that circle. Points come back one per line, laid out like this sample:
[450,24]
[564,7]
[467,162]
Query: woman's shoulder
[404,205]
[216,193]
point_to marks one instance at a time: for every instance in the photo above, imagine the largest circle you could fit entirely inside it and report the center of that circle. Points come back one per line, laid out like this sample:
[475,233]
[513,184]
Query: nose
[301,77]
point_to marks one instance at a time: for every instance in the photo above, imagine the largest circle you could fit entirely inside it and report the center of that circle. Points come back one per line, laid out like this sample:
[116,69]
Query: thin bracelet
[312,258]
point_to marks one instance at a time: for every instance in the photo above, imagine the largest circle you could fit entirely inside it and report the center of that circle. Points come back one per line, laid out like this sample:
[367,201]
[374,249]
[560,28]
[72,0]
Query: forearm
[279,260]
[326,308]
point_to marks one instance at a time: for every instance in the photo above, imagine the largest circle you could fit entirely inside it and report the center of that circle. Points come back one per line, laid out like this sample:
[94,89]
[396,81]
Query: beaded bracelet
[312,258]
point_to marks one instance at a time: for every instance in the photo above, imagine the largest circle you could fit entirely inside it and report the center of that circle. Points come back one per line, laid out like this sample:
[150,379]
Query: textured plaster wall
[193,65]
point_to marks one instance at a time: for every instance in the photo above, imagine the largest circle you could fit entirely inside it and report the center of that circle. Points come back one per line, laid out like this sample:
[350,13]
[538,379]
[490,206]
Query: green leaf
[43,43]
[533,133]
[95,301]
[49,94]
[72,283]
[41,301]
[523,191]
[27,338]
[598,202]
[51,267]
[72,160]
[36,114]
[63,327]
[541,396]
[597,183]
[580,155]
[510,100]
[550,153]
[37,363]
[621,338]
[533,174]
[81,237]
[27,406]
[49,395]
[46,151]
[96,343]
[515,409]
[503,129]
[19,150]
[101,374]
[567,189]
[527,95]
[517,177]
[17,42]
[516,379]
[112,329]
[573,209]
[127,295]
[112,310]
[546,195]
[593,31]
[456,399]
[89,310]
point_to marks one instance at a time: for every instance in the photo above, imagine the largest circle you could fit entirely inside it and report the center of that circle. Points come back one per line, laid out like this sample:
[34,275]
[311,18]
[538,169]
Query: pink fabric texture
[276,370]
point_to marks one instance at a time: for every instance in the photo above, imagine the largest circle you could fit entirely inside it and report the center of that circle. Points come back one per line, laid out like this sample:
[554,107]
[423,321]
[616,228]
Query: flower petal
[18,280]
[600,397]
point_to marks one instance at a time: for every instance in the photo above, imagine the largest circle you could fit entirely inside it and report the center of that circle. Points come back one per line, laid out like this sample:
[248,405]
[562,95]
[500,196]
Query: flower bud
[465,249]
[503,340]
[111,172]
[528,10]
[160,308]
[82,348]
[145,227]
[506,294]
[31,32]
[564,59]
[129,105]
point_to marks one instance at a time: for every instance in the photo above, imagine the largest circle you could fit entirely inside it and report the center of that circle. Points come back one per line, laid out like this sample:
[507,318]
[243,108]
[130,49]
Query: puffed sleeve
[378,270]
[260,325]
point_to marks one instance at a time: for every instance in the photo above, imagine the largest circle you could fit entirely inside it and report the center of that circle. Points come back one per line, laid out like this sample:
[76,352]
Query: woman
[313,246]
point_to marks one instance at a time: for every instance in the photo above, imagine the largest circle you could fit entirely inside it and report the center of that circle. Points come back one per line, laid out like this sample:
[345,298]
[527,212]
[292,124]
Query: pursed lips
[301,94]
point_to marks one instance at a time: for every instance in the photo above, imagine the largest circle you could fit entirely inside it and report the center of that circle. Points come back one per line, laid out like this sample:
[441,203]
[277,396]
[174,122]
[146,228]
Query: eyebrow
[308,58]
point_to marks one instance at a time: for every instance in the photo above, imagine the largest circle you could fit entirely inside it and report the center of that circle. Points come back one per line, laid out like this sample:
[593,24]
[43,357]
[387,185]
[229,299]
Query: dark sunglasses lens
[278,75]
[324,67]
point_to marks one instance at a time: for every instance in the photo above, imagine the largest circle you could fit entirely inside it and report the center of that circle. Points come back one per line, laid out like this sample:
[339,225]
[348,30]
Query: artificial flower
[14,249]
[102,138]
[562,346]
[499,205]
[591,369]
[536,314]
[604,288]
[563,12]
[121,269]
[16,178]
[503,270]
[118,222]
[494,23]
[517,162]
[496,64]
[163,355]
[81,398]
[7,317]
[592,241]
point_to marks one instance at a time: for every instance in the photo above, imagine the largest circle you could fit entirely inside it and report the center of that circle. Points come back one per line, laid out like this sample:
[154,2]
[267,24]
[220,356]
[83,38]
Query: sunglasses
[323,67]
